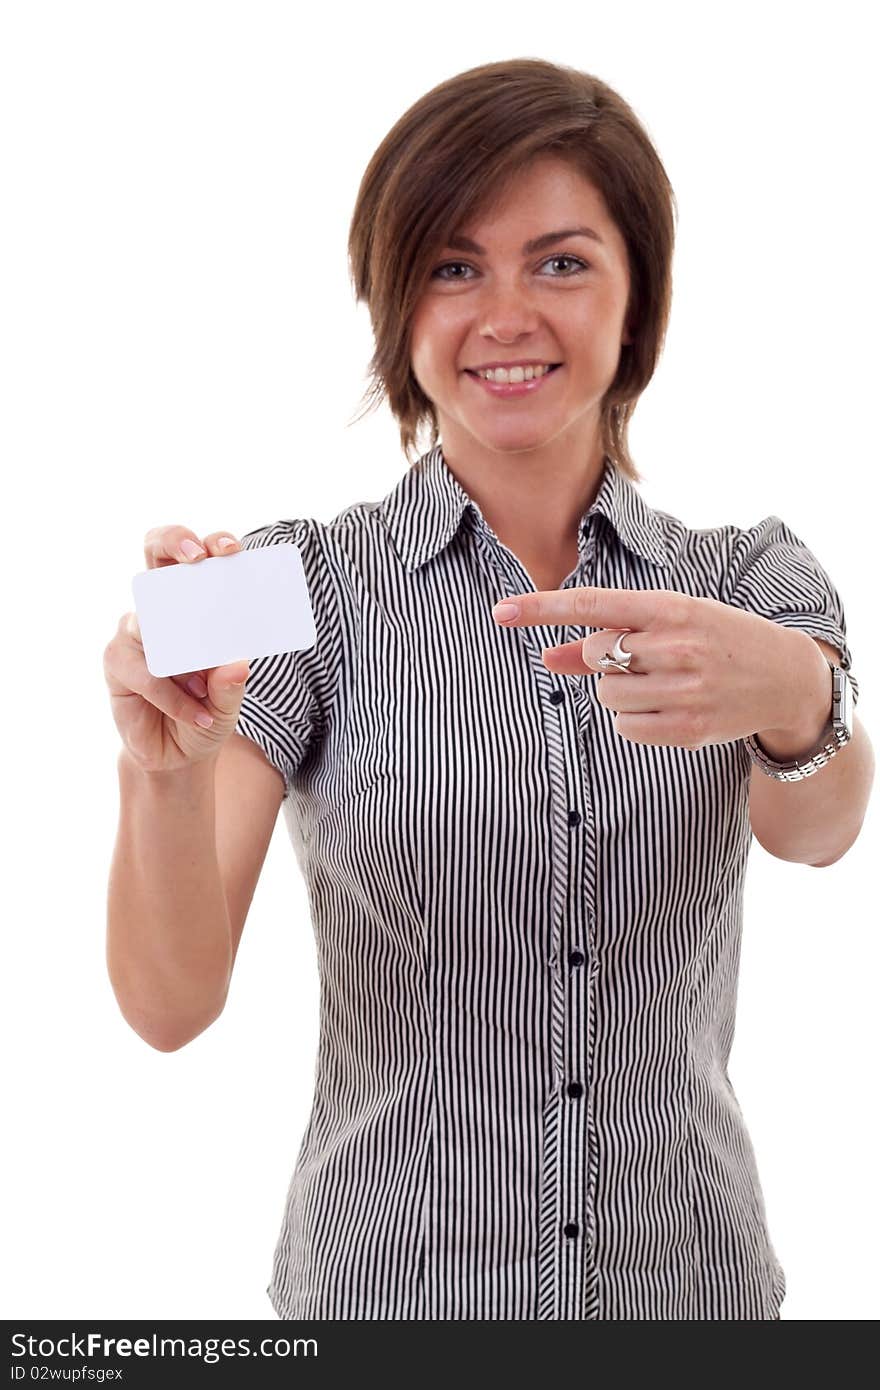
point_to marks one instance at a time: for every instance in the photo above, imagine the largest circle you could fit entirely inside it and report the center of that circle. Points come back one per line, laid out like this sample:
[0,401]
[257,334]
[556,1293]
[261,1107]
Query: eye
[454,265]
[449,265]
[575,260]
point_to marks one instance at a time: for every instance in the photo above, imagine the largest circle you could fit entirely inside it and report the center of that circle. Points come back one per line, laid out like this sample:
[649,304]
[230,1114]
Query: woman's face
[563,302]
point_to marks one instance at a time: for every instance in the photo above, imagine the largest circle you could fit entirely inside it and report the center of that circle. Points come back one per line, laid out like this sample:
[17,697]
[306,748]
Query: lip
[513,388]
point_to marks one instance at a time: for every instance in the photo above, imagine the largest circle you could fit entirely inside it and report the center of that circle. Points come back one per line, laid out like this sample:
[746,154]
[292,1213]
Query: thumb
[568,660]
[226,686]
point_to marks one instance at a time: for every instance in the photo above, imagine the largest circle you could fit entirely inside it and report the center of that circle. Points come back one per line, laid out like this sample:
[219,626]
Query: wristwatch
[837,733]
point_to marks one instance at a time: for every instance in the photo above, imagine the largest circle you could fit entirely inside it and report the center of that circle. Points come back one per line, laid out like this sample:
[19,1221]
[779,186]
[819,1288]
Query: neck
[533,500]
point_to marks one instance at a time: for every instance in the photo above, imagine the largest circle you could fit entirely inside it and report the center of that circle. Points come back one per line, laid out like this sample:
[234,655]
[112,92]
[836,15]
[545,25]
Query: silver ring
[617,659]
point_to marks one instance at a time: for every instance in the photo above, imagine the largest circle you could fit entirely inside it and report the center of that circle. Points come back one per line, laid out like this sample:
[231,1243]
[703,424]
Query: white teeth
[513,374]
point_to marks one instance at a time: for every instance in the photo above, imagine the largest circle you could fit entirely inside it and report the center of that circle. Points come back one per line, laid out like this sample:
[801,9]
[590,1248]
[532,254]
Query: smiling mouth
[469,372]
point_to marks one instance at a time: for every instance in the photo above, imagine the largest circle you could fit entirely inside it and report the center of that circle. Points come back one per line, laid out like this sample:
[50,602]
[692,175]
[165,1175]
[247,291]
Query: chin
[516,444]
[517,435]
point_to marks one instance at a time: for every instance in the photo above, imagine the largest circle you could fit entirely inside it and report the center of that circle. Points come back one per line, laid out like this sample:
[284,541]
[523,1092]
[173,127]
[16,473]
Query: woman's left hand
[702,671]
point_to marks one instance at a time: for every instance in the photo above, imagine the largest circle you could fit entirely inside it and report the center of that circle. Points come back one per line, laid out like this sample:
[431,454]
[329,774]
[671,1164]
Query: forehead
[547,178]
[547,193]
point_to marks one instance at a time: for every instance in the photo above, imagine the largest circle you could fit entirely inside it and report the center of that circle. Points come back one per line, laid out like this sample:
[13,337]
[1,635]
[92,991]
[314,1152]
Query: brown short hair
[450,155]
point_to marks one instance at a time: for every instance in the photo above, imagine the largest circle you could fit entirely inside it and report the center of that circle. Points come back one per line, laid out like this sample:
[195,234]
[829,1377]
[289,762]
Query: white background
[180,343]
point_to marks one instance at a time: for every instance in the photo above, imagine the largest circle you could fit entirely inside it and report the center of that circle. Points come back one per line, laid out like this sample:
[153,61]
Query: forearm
[817,819]
[168,929]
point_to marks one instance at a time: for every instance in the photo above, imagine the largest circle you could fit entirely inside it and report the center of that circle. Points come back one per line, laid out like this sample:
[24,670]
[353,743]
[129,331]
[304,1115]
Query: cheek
[420,358]
[600,347]
[434,348]
[423,366]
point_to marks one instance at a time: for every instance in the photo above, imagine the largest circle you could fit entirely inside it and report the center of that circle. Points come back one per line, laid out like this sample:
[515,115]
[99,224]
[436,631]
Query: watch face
[846,709]
[845,712]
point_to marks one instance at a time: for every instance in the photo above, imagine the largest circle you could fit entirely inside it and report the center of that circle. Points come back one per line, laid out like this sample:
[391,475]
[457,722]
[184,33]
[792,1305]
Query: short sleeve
[773,573]
[281,710]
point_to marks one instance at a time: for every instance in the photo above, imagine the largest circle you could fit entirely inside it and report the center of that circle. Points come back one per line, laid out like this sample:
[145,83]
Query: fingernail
[504,611]
[226,543]
[236,685]
[191,550]
[196,686]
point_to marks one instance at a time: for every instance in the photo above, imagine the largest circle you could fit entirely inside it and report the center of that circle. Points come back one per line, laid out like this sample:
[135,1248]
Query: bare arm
[816,820]
[197,805]
[189,851]
[169,946]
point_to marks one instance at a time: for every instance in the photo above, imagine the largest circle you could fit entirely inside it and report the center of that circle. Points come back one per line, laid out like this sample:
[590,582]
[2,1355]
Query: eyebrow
[463,243]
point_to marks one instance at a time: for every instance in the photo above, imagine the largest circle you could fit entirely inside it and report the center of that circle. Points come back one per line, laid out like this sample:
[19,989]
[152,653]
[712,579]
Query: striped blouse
[527,928]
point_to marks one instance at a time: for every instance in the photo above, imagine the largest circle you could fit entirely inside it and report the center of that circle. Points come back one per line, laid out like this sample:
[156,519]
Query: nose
[506,314]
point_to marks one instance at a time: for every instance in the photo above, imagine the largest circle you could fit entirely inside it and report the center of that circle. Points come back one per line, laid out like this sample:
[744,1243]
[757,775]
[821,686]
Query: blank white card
[225,608]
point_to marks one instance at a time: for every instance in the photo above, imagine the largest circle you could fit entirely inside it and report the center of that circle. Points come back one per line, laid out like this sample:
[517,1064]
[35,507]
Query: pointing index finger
[586,607]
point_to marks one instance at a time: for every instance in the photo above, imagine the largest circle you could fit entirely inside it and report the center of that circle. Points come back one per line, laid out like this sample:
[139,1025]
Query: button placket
[573,713]
[571,1175]
[562,1269]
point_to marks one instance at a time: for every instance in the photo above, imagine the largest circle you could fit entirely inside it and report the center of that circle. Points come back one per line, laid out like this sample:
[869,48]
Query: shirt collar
[424,511]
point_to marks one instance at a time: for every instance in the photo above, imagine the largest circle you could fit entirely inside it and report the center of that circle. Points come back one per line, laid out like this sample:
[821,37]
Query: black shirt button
[575,1089]
[576,958]
[571,1228]
[556,697]
[574,817]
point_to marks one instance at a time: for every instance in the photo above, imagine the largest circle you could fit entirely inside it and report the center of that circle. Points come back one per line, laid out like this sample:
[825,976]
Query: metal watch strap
[834,737]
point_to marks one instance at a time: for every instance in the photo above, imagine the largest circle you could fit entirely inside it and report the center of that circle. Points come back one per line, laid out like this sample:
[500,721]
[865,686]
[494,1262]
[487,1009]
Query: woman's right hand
[156,714]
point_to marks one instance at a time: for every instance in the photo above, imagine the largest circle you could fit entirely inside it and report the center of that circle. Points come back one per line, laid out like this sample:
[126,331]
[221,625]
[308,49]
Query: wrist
[810,703]
[186,774]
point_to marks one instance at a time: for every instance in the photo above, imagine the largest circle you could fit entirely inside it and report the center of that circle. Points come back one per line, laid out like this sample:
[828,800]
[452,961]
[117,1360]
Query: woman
[526,881]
